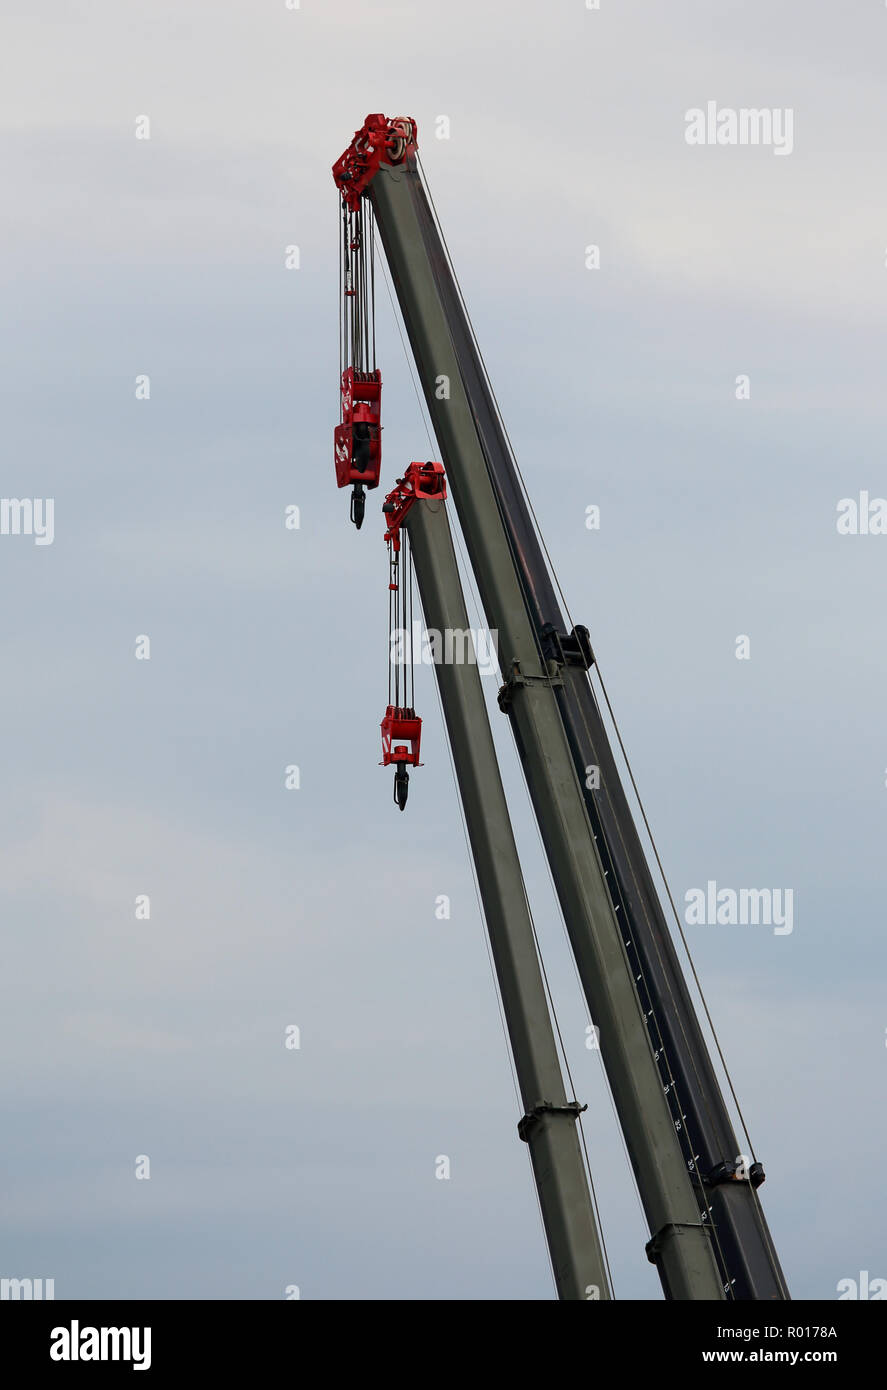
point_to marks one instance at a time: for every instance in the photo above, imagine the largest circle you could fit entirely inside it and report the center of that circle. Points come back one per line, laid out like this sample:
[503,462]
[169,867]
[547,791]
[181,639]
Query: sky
[312,1168]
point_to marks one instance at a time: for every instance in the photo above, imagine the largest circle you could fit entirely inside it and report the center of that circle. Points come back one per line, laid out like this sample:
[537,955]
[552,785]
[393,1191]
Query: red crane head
[378,140]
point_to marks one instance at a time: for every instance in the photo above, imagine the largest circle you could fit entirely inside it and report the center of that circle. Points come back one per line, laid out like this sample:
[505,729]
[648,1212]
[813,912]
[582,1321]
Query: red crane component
[358,439]
[421,480]
[402,727]
[378,138]
[401,722]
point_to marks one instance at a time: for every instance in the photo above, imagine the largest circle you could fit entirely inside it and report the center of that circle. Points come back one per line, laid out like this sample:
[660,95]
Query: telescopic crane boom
[708,1235]
[417,507]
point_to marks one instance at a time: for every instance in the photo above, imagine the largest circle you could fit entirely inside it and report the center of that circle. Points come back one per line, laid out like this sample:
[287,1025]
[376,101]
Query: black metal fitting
[733,1172]
[517,678]
[567,648]
[532,1117]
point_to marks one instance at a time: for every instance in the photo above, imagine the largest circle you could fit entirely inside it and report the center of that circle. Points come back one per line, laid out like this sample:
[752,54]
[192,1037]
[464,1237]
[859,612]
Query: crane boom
[708,1235]
[548,1125]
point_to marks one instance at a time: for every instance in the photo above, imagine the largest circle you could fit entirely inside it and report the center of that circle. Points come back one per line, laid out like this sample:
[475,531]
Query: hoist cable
[358,285]
[366,299]
[391,620]
[396,598]
[404,582]
[341,298]
[404,667]
[412,699]
[371,252]
[401,653]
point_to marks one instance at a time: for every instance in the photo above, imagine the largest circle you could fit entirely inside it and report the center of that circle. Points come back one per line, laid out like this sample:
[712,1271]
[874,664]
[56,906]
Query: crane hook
[358,505]
[401,784]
